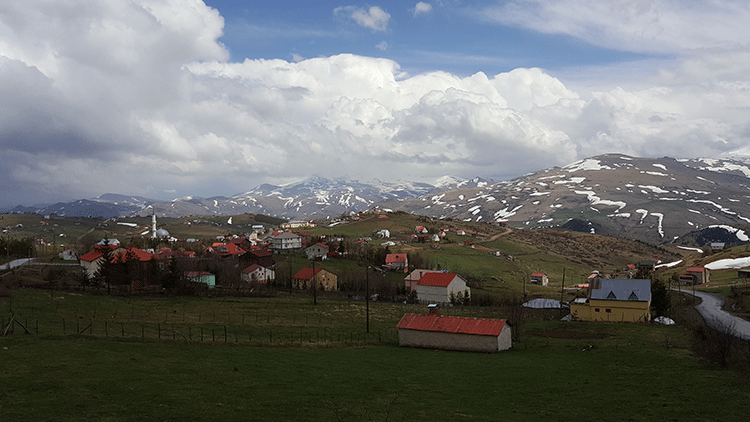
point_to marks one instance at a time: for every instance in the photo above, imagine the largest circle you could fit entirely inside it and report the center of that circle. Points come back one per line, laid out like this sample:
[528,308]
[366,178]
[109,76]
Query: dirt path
[503,233]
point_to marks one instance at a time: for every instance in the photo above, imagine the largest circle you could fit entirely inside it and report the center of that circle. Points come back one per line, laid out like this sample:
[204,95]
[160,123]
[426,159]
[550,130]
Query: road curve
[16,263]
[710,310]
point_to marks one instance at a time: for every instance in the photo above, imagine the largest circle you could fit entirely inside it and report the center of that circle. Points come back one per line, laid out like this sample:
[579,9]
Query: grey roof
[542,303]
[622,289]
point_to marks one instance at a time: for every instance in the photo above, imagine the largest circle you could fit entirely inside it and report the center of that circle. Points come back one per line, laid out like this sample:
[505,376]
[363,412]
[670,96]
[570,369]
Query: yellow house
[323,280]
[614,300]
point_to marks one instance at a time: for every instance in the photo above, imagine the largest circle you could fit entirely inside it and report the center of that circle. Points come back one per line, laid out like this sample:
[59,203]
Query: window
[609,311]
[596,309]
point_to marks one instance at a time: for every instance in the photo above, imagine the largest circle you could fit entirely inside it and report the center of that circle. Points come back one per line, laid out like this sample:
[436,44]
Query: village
[247,265]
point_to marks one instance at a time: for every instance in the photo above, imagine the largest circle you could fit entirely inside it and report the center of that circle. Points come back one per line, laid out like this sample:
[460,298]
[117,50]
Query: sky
[170,98]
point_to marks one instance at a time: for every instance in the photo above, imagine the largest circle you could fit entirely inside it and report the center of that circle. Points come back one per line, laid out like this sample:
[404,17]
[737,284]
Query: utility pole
[562,292]
[314,287]
[367,297]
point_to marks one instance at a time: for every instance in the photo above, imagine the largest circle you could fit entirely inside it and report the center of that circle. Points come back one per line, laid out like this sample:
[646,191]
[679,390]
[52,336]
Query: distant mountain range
[660,201]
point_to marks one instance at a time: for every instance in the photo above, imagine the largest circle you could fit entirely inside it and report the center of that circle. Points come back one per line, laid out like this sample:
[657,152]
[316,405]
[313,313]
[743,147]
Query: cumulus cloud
[422,8]
[374,18]
[126,97]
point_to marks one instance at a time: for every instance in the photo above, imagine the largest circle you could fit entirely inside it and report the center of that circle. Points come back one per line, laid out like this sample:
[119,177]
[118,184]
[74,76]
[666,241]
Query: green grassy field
[558,371]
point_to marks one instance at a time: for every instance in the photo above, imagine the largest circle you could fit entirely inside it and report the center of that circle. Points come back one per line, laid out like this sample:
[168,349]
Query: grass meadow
[286,359]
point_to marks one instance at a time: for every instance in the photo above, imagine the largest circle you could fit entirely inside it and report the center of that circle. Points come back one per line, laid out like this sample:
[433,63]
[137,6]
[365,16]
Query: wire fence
[206,333]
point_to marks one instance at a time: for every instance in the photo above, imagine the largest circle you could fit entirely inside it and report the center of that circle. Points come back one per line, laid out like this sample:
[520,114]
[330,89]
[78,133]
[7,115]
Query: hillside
[517,252]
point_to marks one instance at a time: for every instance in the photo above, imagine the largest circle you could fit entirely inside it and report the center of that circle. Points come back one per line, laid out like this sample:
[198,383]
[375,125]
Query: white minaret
[153,225]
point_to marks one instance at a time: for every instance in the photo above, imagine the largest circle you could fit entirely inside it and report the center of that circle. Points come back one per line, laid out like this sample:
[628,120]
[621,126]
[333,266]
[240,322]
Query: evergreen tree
[661,304]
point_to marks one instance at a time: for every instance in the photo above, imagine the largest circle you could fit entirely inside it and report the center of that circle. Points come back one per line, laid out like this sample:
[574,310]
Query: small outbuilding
[434,331]
[539,278]
[695,275]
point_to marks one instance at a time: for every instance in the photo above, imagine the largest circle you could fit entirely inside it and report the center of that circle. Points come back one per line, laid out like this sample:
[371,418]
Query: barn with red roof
[434,331]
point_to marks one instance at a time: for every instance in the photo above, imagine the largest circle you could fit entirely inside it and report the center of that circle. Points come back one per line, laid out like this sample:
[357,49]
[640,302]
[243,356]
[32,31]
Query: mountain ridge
[656,200]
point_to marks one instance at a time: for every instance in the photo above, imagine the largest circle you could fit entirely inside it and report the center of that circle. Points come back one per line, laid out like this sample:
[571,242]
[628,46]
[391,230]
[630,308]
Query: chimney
[433,309]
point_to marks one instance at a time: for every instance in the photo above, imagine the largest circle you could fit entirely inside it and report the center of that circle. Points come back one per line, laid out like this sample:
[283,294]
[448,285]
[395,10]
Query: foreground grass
[559,371]
[62,378]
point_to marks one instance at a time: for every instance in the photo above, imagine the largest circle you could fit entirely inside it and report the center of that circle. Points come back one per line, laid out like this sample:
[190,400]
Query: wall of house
[325,280]
[438,294]
[452,341]
[619,311]
[432,294]
[91,267]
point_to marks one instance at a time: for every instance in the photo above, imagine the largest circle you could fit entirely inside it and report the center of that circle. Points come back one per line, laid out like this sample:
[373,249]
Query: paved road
[16,263]
[710,310]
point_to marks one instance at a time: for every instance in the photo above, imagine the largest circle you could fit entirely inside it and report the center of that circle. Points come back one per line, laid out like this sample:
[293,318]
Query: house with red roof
[262,257]
[695,275]
[92,261]
[411,280]
[434,331]
[323,280]
[397,262]
[440,287]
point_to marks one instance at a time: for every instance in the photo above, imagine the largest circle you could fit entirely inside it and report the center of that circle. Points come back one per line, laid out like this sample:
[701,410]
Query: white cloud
[138,97]
[422,8]
[650,26]
[374,18]
[382,46]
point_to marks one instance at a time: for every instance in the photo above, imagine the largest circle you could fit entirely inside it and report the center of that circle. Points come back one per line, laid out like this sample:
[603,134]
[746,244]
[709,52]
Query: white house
[439,287]
[257,274]
[286,241]
[385,233]
[318,250]
[434,331]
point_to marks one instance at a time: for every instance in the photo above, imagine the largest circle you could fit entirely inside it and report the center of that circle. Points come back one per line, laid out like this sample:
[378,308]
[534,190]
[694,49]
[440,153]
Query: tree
[661,303]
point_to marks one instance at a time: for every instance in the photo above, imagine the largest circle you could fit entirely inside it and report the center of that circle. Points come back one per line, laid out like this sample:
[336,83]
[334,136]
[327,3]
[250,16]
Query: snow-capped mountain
[662,200]
[655,200]
[315,197]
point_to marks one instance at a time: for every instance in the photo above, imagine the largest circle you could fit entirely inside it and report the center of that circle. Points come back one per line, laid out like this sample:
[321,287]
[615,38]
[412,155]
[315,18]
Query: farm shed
[539,278]
[434,331]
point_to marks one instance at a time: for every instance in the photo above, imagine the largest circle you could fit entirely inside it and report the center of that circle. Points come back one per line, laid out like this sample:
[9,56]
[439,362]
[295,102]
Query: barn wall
[452,341]
[505,339]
